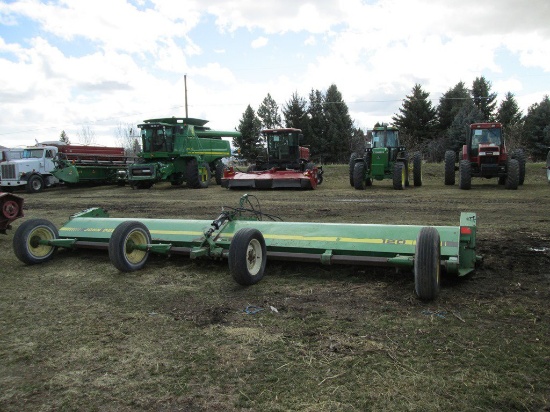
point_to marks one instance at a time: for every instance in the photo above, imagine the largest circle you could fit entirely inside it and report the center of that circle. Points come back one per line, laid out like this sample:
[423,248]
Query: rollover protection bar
[248,243]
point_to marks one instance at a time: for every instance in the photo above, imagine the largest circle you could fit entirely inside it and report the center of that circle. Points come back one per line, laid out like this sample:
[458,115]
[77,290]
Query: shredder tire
[247,256]
[427,263]
[122,254]
[26,241]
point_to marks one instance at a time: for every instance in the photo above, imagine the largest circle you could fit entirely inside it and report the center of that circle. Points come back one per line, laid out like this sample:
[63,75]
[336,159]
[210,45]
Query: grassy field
[180,335]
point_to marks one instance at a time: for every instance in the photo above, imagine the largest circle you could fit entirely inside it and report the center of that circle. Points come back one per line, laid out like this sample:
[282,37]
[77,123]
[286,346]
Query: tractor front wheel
[465,175]
[359,176]
[352,168]
[29,238]
[450,167]
[417,169]
[399,176]
[426,264]
[247,256]
[512,175]
[128,246]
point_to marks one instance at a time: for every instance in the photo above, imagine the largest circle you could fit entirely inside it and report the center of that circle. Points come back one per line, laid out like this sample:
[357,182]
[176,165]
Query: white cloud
[259,42]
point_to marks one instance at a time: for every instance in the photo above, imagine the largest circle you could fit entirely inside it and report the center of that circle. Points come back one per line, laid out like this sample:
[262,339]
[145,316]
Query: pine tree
[536,128]
[249,143]
[64,138]
[450,104]
[295,114]
[339,125]
[508,112]
[268,112]
[483,98]
[317,124]
[456,135]
[417,118]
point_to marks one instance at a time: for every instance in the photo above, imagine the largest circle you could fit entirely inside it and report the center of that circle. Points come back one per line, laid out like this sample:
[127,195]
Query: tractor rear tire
[197,177]
[450,167]
[351,168]
[465,175]
[399,176]
[359,176]
[247,256]
[417,169]
[35,184]
[427,268]
[26,238]
[122,253]
[519,155]
[512,175]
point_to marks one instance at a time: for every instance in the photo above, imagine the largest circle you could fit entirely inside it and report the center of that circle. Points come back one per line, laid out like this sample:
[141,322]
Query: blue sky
[74,64]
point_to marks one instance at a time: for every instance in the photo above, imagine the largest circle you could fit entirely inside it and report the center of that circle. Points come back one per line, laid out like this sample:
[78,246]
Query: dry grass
[78,335]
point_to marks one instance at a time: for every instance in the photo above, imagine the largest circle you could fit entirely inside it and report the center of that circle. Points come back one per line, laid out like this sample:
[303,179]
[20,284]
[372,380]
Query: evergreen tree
[268,112]
[508,112]
[456,135]
[249,143]
[483,98]
[317,124]
[417,118]
[64,138]
[450,104]
[536,128]
[295,114]
[339,125]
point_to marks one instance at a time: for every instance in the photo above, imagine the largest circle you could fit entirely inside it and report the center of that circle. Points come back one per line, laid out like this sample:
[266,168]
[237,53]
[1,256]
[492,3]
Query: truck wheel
[197,177]
[450,167]
[352,167]
[359,176]
[247,256]
[417,169]
[398,176]
[26,241]
[122,252]
[35,184]
[219,172]
[465,175]
[426,263]
[512,175]
[519,155]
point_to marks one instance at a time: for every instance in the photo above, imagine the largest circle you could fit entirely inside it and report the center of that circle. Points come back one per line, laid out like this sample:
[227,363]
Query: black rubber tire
[26,238]
[142,185]
[501,180]
[351,168]
[465,175]
[121,253]
[512,175]
[35,184]
[398,176]
[218,172]
[417,169]
[247,256]
[427,268]
[196,179]
[359,176]
[450,167]
[519,155]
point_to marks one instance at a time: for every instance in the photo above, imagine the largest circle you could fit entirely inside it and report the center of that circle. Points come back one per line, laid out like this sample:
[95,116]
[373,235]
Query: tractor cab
[283,149]
[385,144]
[484,138]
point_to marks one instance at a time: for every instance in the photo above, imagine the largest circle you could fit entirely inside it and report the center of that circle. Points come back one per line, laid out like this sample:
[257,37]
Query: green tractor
[384,158]
[178,150]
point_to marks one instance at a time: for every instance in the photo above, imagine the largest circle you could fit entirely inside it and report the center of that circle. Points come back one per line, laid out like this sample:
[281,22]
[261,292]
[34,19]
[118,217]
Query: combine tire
[122,253]
[35,184]
[417,169]
[519,155]
[512,175]
[399,177]
[426,263]
[219,172]
[197,177]
[351,168]
[26,241]
[465,175]
[247,256]
[449,167]
[359,176]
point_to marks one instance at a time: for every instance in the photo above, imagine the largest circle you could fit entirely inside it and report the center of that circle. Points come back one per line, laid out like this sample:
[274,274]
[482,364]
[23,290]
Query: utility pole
[185,82]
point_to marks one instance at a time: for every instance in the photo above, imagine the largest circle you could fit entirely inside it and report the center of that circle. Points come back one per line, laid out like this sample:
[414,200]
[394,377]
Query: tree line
[331,134]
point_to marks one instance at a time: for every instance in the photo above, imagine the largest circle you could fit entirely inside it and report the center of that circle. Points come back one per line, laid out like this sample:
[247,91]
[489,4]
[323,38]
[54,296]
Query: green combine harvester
[247,241]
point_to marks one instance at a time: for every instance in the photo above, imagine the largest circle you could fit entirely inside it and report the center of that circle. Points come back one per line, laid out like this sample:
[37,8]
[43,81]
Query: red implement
[12,208]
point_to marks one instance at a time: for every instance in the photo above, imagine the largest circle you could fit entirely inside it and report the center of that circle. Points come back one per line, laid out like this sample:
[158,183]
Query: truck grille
[8,171]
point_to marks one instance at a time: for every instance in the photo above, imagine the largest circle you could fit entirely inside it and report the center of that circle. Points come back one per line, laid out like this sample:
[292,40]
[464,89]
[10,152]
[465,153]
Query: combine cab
[12,208]
[287,165]
[485,155]
[384,158]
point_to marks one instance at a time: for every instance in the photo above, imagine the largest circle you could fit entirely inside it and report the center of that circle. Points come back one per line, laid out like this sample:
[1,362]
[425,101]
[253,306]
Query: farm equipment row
[247,241]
